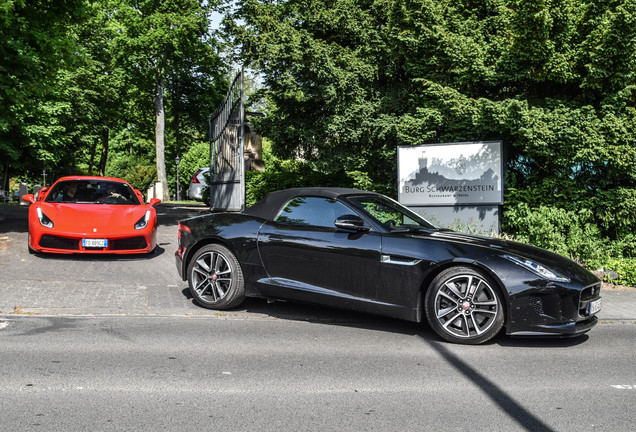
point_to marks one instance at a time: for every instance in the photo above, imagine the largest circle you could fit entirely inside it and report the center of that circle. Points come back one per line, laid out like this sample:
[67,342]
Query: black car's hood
[500,246]
[558,263]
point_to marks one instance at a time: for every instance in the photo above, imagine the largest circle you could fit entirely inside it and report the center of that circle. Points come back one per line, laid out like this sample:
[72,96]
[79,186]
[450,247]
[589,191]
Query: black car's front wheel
[463,305]
[215,278]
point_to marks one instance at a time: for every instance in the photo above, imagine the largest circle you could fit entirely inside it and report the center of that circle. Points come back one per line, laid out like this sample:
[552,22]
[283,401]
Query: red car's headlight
[44,220]
[143,222]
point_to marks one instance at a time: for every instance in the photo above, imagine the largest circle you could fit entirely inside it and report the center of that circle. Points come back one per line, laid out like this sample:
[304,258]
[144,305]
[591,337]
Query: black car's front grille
[128,243]
[588,294]
[54,242]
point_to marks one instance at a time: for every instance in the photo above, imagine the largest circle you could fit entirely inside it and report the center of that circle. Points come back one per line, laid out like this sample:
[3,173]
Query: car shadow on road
[292,311]
[102,257]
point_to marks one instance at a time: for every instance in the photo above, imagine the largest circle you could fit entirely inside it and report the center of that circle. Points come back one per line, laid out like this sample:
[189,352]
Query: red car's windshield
[92,192]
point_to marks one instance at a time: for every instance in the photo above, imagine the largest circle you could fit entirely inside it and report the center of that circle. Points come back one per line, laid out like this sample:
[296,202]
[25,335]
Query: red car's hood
[93,218]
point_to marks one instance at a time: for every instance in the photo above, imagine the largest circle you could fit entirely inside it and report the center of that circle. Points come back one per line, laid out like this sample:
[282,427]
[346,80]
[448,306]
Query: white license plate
[594,306]
[98,243]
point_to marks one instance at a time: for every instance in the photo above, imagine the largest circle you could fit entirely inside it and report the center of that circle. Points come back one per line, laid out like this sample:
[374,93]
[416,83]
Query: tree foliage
[79,81]
[347,81]
[35,46]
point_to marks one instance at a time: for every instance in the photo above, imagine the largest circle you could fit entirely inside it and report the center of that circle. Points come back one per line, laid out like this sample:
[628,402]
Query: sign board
[454,174]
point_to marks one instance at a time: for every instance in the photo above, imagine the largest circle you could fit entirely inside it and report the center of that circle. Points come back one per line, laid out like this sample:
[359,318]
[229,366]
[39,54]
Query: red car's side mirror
[29,198]
[42,193]
[154,201]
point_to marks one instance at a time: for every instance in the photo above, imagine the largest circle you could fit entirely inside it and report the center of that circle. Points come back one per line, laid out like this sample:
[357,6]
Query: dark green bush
[197,156]
[625,268]
[284,175]
[566,232]
[575,235]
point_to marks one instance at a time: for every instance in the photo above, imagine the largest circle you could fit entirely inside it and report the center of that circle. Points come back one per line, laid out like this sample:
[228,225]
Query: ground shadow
[13,218]
[293,311]
[171,214]
[515,410]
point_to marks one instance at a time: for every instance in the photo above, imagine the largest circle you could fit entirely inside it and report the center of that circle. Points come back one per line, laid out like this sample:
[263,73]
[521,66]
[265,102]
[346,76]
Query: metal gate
[227,164]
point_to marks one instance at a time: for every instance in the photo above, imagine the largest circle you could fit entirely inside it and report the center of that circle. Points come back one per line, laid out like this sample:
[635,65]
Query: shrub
[197,156]
[284,175]
[625,268]
[566,232]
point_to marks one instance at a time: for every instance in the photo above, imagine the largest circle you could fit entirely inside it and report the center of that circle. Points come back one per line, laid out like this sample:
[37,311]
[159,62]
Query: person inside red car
[69,192]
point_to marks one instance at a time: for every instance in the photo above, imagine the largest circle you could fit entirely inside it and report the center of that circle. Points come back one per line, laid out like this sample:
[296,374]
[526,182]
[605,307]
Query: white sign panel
[450,174]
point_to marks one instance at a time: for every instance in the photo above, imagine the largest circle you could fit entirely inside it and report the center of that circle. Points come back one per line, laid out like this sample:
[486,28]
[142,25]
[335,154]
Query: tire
[215,278]
[464,306]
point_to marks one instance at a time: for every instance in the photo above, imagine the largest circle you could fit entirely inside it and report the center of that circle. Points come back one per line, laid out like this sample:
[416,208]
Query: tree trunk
[92,160]
[176,111]
[159,139]
[104,157]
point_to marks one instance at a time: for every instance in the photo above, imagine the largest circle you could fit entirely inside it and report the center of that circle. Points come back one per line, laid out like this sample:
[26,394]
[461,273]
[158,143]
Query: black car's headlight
[537,268]
[143,222]
[44,219]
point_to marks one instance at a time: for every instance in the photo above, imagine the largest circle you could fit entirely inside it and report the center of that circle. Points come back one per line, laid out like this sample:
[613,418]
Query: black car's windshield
[92,192]
[390,213]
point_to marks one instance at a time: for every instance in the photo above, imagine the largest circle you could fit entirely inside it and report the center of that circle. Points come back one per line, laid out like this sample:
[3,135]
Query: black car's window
[92,192]
[313,211]
[390,213]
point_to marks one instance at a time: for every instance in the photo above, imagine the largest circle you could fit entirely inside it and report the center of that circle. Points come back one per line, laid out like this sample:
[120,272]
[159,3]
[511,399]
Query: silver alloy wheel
[466,306]
[211,276]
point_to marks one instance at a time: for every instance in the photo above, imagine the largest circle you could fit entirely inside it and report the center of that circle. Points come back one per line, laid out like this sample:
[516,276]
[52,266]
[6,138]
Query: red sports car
[85,214]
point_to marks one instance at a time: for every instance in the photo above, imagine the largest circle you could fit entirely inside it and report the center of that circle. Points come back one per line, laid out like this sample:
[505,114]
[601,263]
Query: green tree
[347,81]
[36,45]
[94,89]
[153,40]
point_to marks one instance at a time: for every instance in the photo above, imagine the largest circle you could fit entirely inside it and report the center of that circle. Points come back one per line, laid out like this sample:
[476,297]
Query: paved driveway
[147,285]
[45,284]
[78,284]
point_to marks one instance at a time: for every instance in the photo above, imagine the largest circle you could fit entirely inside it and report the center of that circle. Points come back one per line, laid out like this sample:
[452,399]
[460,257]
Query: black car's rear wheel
[215,278]
[463,305]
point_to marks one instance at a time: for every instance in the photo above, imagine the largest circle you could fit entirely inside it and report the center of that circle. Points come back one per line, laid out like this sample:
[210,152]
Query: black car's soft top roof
[268,207]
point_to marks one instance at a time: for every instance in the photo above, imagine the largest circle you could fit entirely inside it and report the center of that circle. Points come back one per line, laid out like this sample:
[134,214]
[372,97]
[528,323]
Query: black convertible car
[361,250]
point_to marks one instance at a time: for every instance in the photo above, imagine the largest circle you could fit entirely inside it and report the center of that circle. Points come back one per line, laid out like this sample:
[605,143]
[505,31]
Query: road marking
[624,387]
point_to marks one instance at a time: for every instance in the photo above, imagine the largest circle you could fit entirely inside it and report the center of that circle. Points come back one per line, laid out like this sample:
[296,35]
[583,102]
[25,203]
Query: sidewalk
[619,304]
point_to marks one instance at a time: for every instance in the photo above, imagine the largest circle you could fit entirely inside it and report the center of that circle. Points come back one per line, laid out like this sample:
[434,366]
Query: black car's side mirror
[351,222]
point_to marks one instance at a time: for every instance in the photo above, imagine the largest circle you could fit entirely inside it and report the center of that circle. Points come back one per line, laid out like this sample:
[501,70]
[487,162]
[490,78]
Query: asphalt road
[185,373]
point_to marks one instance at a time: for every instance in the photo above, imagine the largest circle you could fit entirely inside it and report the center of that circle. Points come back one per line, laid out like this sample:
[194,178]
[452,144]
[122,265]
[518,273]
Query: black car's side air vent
[399,260]
[537,304]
